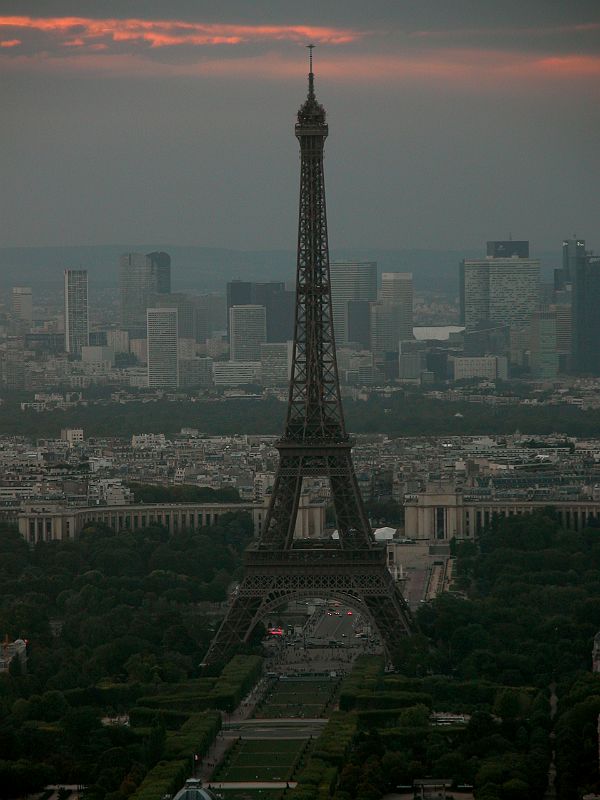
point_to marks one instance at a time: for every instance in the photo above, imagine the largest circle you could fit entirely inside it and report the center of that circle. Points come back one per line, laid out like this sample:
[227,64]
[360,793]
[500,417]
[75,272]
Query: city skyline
[279,538]
[498,104]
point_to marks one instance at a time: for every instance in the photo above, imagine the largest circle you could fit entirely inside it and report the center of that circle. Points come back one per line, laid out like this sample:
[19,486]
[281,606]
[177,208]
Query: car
[349,613]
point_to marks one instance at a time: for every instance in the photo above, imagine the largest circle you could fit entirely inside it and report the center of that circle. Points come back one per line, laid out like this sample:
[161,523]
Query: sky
[450,123]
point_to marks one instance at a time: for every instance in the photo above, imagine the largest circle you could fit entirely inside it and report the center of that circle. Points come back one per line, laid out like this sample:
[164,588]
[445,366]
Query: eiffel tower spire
[279,567]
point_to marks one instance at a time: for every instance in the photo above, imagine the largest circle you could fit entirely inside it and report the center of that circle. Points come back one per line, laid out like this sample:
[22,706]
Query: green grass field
[249,794]
[260,760]
[297,698]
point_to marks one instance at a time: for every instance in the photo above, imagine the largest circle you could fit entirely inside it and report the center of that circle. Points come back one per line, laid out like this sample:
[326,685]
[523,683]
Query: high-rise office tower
[160,265]
[22,305]
[573,256]
[389,326]
[350,280]
[275,363]
[140,278]
[239,293]
[277,300]
[397,290]
[211,315]
[359,323]
[247,332]
[503,290]
[76,310]
[564,332]
[397,287]
[280,307]
[163,354]
[186,311]
[392,315]
[585,310]
[543,359]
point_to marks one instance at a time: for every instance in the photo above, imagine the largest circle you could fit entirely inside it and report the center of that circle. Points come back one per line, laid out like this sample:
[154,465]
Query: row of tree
[401,414]
[524,619]
[109,618]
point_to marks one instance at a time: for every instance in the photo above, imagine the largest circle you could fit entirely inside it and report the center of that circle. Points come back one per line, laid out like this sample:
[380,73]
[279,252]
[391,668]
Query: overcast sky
[451,121]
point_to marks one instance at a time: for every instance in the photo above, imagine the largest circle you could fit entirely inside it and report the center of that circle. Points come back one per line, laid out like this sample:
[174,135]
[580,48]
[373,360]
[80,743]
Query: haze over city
[450,124]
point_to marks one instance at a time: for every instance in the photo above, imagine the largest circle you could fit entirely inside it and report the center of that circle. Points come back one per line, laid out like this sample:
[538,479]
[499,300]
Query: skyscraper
[584,275]
[275,363]
[397,287]
[163,355]
[573,256]
[141,277]
[247,332]
[160,266]
[76,310]
[498,289]
[350,280]
[359,323]
[277,300]
[186,311]
[392,315]
[22,305]
[544,360]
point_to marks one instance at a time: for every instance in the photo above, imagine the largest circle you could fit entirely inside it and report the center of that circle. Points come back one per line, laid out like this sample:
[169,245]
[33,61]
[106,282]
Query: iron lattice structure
[279,568]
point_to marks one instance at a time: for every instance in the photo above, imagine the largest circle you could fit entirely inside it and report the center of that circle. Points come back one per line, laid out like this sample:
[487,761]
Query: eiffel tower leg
[392,621]
[234,630]
[283,510]
[353,525]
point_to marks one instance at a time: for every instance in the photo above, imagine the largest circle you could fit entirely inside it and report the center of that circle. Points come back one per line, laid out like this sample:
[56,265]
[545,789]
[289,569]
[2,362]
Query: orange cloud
[91,45]
[468,69]
[168,33]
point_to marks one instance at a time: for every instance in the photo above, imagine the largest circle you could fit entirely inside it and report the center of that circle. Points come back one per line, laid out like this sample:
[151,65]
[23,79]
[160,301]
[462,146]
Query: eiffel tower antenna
[279,568]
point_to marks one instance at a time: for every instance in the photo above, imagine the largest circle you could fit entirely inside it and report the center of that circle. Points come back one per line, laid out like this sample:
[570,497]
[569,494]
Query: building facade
[487,367]
[247,332]
[585,311]
[350,281]
[76,311]
[276,363]
[163,352]
[44,524]
[440,514]
[140,278]
[502,290]
[236,373]
[544,357]
[22,305]
[277,301]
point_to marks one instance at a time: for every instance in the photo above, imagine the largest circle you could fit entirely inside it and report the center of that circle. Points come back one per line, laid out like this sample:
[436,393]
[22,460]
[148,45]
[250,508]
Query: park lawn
[260,760]
[297,698]
[249,794]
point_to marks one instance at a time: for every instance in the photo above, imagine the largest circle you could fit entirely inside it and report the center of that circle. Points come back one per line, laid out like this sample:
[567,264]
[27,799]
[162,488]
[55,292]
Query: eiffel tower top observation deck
[314,413]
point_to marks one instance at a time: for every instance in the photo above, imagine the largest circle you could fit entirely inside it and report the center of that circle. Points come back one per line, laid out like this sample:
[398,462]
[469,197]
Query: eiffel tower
[279,568]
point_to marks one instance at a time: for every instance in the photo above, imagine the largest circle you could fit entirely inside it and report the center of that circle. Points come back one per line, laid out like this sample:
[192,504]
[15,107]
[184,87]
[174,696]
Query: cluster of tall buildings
[541,329]
[369,322]
[513,323]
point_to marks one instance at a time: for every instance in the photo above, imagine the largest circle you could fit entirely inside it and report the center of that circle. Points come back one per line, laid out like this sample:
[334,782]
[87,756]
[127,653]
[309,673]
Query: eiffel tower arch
[279,568]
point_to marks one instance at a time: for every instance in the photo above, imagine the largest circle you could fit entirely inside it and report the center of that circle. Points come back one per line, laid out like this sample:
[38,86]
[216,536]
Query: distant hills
[208,269]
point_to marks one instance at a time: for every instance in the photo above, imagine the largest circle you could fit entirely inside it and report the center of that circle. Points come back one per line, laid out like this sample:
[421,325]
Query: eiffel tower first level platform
[280,568]
[358,578]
